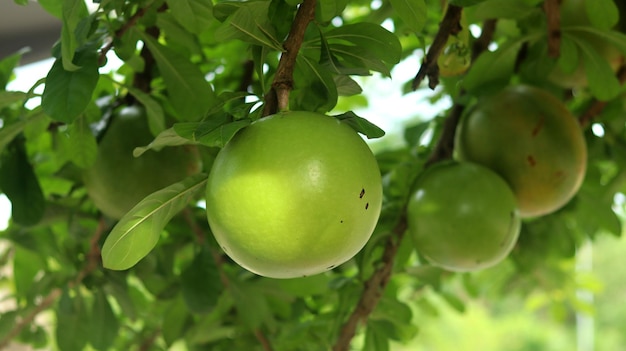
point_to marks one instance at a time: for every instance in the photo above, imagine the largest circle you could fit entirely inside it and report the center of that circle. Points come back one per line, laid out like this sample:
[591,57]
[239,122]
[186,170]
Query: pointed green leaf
[200,282]
[378,42]
[8,98]
[82,143]
[67,93]
[72,323]
[361,125]
[250,23]
[104,326]
[174,320]
[168,137]
[73,11]
[412,13]
[19,183]
[7,65]
[603,83]
[212,132]
[154,111]
[136,234]
[314,89]
[194,15]
[190,94]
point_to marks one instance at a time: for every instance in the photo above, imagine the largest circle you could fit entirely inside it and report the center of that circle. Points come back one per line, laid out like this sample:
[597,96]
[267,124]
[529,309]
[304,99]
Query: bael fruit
[294,194]
[462,216]
[118,180]
[528,137]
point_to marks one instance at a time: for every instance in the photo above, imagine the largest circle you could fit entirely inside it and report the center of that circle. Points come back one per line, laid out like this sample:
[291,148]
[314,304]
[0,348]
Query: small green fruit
[462,217]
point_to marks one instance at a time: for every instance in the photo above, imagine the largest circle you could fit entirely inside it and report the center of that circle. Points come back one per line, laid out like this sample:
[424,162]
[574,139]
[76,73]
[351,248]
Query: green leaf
[602,13]
[212,132]
[499,9]
[329,9]
[314,88]
[8,98]
[493,67]
[174,320]
[361,125]
[250,23]
[168,137]
[104,325]
[67,93]
[200,282]
[194,15]
[154,111]
[603,83]
[7,65]
[375,337]
[136,234]
[411,12]
[464,3]
[190,94]
[72,12]
[19,183]
[26,265]
[568,55]
[10,131]
[72,323]
[83,145]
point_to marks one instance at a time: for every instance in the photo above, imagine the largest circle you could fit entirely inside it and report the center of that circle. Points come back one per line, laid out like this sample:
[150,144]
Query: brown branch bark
[373,288]
[263,340]
[598,106]
[277,98]
[93,261]
[451,24]
[553,16]
[123,29]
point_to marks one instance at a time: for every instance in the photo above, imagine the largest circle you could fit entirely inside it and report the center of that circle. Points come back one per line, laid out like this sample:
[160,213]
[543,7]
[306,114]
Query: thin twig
[598,105]
[450,25]
[263,340]
[123,29]
[93,262]
[277,99]
[553,16]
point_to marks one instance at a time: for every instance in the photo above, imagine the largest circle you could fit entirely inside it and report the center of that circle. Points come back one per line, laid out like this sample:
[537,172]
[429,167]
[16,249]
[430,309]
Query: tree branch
[553,15]
[277,98]
[598,106]
[451,24]
[93,261]
[373,287]
[123,29]
[263,340]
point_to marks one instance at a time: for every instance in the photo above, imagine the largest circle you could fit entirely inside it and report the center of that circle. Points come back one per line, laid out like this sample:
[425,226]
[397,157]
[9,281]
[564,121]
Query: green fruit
[294,194]
[528,137]
[462,216]
[457,55]
[118,180]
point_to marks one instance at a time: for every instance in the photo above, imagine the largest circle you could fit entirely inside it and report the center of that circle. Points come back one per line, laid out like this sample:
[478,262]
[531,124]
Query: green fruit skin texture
[462,216]
[528,137]
[118,180]
[294,194]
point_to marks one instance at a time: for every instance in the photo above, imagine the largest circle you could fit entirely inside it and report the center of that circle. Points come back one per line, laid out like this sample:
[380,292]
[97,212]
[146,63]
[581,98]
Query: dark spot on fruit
[478,261]
[367,205]
[531,160]
[537,127]
[362,193]
[341,221]
[331,266]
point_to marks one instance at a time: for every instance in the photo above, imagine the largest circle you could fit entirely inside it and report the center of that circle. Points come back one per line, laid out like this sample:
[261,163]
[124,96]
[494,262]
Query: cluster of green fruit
[519,153]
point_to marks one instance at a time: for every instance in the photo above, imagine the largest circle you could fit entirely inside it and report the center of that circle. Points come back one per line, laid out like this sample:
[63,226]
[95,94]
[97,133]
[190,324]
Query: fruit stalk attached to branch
[277,99]
[451,24]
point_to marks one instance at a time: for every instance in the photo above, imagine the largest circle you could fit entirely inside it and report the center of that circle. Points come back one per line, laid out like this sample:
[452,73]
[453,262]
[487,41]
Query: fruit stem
[277,99]
[553,17]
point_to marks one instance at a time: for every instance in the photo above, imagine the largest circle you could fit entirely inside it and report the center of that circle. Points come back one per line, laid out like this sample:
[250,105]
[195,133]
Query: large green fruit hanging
[294,194]
[118,180]
[529,137]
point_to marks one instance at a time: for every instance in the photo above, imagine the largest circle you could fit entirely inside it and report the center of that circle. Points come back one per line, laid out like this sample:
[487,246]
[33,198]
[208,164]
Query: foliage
[205,69]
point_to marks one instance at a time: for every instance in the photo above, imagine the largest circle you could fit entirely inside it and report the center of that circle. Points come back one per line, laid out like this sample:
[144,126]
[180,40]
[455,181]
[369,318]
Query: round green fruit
[294,194]
[528,137]
[118,181]
[462,216]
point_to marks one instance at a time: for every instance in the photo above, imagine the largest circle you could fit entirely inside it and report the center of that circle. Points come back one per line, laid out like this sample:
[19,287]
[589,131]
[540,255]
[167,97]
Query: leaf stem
[277,99]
